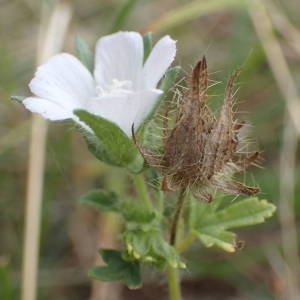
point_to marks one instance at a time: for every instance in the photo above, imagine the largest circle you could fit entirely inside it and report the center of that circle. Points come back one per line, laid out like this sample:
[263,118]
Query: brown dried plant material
[199,152]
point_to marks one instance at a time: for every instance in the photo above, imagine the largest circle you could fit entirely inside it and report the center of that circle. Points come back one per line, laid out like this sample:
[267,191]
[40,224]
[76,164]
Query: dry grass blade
[190,11]
[288,31]
[287,86]
[278,64]
[50,41]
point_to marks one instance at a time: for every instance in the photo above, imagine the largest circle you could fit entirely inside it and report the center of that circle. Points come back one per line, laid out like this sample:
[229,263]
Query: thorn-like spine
[199,153]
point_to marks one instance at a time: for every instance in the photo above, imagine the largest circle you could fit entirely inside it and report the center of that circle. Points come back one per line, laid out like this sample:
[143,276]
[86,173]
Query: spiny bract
[199,152]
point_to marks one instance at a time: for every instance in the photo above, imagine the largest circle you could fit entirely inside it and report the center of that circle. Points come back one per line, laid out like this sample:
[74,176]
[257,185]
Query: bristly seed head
[199,152]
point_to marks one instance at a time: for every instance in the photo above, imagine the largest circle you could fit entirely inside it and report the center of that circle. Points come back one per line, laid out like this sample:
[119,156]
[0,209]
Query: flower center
[115,87]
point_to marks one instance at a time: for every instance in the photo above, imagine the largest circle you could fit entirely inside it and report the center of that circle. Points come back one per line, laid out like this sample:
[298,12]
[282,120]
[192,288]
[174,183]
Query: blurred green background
[224,32]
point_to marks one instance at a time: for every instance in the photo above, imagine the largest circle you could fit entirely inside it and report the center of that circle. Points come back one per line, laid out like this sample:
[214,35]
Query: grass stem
[287,86]
[50,41]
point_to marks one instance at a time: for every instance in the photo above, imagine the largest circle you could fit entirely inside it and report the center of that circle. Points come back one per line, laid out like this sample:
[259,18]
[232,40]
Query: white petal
[47,108]
[148,100]
[119,109]
[125,109]
[51,110]
[158,61]
[119,56]
[64,80]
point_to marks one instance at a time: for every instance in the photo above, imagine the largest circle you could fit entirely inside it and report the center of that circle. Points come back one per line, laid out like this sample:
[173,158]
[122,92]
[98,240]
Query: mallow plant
[121,103]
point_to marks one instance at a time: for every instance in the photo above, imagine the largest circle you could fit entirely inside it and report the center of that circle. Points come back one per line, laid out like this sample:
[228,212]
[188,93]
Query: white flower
[123,89]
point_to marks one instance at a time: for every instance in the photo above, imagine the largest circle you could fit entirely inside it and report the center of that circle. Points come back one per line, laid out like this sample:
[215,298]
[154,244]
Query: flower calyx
[200,152]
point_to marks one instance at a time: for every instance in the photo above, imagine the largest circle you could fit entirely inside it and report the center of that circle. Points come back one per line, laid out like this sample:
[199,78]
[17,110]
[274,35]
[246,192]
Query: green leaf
[222,239]
[17,98]
[117,268]
[101,200]
[137,246]
[135,212]
[149,246]
[110,144]
[210,224]
[84,53]
[143,237]
[148,44]
[247,212]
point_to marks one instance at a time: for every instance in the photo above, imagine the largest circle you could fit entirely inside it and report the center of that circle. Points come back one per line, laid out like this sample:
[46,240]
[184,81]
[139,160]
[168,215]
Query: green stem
[160,204]
[173,275]
[189,239]
[140,185]
[174,283]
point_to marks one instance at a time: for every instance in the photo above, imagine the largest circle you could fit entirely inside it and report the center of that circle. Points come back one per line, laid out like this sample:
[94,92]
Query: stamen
[115,87]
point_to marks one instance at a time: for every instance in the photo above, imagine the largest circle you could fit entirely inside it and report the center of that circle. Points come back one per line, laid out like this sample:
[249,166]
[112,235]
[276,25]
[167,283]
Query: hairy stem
[173,274]
[176,218]
[160,204]
[174,283]
[141,188]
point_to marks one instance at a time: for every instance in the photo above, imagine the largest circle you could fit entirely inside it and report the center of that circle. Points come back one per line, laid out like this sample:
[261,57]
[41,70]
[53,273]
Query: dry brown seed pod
[199,152]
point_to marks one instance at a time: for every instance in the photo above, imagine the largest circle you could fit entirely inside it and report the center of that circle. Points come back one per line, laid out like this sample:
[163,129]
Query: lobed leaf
[210,225]
[117,268]
[149,246]
[135,212]
[247,212]
[223,239]
[101,200]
